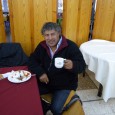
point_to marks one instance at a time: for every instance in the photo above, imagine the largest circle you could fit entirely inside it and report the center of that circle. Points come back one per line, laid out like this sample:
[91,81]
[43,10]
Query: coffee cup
[59,62]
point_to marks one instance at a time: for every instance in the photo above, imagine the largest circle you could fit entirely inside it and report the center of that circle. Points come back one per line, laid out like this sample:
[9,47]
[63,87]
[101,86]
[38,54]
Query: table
[19,99]
[99,55]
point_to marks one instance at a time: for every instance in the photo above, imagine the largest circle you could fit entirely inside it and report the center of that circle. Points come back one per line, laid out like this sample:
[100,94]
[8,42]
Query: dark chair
[12,54]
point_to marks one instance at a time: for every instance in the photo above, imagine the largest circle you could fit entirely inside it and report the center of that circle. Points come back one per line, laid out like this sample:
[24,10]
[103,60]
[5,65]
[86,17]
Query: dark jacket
[12,54]
[40,62]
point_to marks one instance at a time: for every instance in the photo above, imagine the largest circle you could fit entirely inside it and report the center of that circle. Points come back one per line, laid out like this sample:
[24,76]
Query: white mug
[59,62]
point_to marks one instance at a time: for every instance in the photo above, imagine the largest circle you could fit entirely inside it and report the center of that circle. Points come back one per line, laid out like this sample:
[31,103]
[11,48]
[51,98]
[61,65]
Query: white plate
[14,78]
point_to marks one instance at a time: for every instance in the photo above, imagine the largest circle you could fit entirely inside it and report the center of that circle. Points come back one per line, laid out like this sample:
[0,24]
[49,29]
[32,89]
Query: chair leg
[84,74]
[100,90]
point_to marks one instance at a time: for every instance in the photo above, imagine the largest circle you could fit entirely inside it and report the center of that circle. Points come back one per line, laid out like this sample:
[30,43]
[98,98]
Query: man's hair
[50,26]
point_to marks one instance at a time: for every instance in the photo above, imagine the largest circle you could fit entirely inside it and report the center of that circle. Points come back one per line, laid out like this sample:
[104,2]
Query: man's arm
[75,63]
[35,62]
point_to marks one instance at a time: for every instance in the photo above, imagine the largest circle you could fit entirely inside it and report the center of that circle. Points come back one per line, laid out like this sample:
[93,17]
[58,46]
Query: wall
[2,28]
[27,17]
[104,25]
[76,20]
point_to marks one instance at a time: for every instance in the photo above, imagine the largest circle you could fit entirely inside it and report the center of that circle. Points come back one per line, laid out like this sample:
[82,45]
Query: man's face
[51,37]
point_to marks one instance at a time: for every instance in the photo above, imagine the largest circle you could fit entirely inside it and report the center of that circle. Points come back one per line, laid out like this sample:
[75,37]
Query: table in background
[19,99]
[99,55]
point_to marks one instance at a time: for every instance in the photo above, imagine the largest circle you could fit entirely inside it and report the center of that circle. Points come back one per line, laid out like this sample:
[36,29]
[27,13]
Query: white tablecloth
[99,55]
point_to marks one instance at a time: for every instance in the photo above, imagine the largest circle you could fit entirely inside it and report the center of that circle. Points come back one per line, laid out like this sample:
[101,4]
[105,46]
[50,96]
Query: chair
[12,54]
[74,109]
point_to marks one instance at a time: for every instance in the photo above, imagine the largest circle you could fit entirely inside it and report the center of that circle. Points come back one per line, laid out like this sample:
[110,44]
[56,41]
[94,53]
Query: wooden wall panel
[20,21]
[84,21]
[113,30]
[54,10]
[70,19]
[104,19]
[76,20]
[43,12]
[2,28]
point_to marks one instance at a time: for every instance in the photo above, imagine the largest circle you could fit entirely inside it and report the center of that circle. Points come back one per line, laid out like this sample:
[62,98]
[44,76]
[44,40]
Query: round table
[99,55]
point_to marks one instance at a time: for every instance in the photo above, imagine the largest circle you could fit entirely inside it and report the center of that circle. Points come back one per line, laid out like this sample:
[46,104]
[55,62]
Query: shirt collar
[58,45]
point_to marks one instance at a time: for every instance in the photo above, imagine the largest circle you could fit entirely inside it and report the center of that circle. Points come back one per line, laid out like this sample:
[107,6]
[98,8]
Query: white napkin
[5,75]
[16,74]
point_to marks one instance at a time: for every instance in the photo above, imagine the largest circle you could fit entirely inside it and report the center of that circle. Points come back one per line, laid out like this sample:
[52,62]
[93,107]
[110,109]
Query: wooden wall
[112,37]
[28,16]
[2,28]
[104,25]
[20,23]
[76,20]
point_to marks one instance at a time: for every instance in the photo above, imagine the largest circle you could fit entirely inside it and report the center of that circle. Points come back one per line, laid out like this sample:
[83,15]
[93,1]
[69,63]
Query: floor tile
[94,105]
[88,95]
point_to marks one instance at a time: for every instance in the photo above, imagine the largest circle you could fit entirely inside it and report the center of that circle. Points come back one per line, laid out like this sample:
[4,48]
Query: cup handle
[64,59]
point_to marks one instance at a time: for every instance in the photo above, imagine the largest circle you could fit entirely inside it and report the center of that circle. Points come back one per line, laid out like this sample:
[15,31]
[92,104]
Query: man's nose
[49,37]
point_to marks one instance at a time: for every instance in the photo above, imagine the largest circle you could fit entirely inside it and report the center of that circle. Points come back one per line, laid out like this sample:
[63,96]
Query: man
[58,81]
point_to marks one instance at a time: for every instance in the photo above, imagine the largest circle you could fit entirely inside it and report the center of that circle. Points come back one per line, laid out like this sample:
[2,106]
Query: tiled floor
[94,105]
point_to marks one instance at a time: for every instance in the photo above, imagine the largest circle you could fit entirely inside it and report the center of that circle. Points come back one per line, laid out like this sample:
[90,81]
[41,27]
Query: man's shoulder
[42,44]
[71,43]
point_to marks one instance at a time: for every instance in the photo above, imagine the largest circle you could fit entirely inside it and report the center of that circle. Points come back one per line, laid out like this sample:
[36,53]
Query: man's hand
[1,77]
[44,78]
[68,64]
